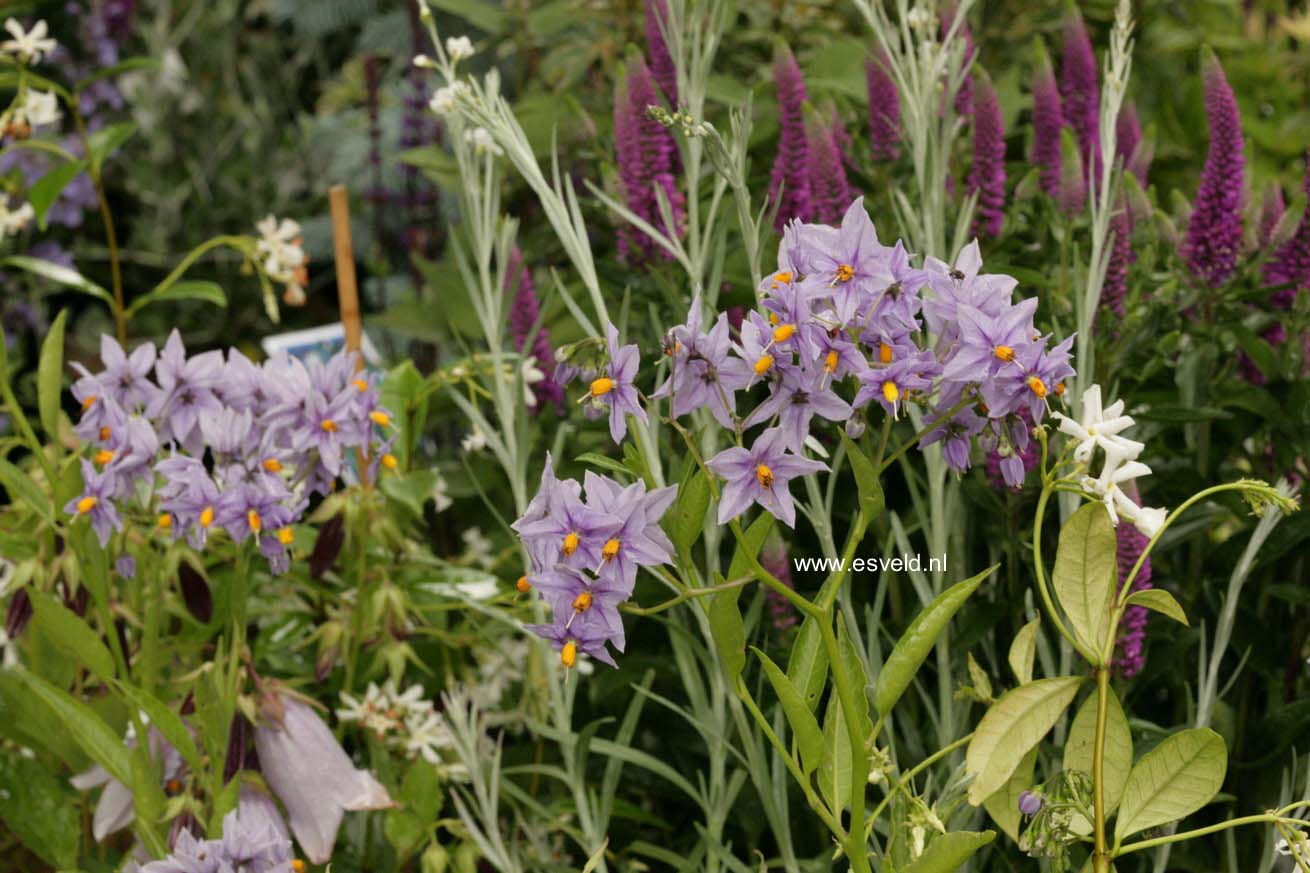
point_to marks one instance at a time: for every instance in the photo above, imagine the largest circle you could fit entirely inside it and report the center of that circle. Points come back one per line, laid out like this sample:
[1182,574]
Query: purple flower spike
[830,193]
[987,175]
[523,315]
[1080,91]
[1135,152]
[657,49]
[646,155]
[1214,233]
[1290,265]
[761,474]
[1130,646]
[1048,121]
[1115,288]
[791,168]
[1272,208]
[884,110]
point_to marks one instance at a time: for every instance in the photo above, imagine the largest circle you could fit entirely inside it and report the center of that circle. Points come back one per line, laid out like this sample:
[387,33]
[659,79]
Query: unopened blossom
[1214,231]
[27,46]
[1048,121]
[987,173]
[459,47]
[789,180]
[310,773]
[444,99]
[884,109]
[761,475]
[1030,803]
[482,141]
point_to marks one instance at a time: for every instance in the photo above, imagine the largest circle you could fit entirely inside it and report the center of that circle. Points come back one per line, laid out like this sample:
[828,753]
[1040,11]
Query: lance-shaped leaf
[1172,781]
[1085,573]
[1011,728]
[1118,759]
[1023,651]
[1160,601]
[804,726]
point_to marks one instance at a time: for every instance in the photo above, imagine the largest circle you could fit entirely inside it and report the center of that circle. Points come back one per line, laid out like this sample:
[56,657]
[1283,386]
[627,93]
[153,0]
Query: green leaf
[748,550]
[912,649]
[804,726]
[592,459]
[728,629]
[948,852]
[58,274]
[106,140]
[688,517]
[807,666]
[20,485]
[1011,728]
[166,719]
[1160,601]
[71,634]
[835,772]
[187,289]
[1086,573]
[46,190]
[39,809]
[411,490]
[1172,781]
[1003,806]
[50,375]
[127,65]
[87,728]
[487,17]
[1023,651]
[872,499]
[853,664]
[1118,760]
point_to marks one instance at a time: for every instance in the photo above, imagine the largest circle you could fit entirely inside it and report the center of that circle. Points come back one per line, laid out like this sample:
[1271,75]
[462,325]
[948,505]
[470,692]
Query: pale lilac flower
[1030,803]
[310,773]
[585,636]
[115,809]
[615,389]
[760,475]
[846,263]
[576,600]
[188,389]
[639,541]
[798,396]
[890,384]
[570,532]
[989,344]
[127,377]
[701,372]
[963,283]
[96,502]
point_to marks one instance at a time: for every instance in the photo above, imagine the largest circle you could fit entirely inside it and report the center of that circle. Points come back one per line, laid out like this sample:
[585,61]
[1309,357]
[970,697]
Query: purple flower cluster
[584,555]
[251,843]
[789,180]
[884,110]
[1130,653]
[1214,232]
[1048,121]
[987,175]
[844,309]
[219,443]
[647,157]
[1081,93]
[523,314]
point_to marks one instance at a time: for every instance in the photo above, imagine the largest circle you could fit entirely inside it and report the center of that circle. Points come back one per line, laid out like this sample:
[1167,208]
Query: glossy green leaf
[807,665]
[186,289]
[411,490]
[46,190]
[1011,728]
[50,375]
[88,729]
[872,499]
[804,726]
[1023,651]
[948,852]
[687,519]
[1160,601]
[1003,806]
[1118,760]
[1086,573]
[1172,781]
[728,629]
[914,646]
[20,486]
[72,634]
[105,141]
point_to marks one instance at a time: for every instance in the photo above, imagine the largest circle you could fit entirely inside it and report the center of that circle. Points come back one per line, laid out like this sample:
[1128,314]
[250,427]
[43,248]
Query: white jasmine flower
[27,46]
[1301,849]
[531,376]
[14,220]
[1149,520]
[459,48]
[1107,489]
[443,102]
[39,108]
[482,141]
[475,441]
[1099,426]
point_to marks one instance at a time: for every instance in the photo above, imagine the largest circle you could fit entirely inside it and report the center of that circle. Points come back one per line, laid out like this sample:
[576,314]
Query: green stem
[111,236]
[1040,570]
[1101,857]
[855,843]
[915,771]
[686,595]
[240,243]
[1141,845]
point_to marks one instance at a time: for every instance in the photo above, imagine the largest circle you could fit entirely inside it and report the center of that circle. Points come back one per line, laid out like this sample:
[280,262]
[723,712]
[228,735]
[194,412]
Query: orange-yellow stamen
[1037,386]
[602,386]
[762,364]
[380,418]
[255,522]
[783,332]
[298,866]
[86,504]
[104,456]
[830,361]
[1004,353]
[568,656]
[172,786]
[570,544]
[845,273]
[781,278]
[764,475]
[285,535]
[272,465]
[360,384]
[104,433]
[610,550]
[523,585]
[884,353]
[1059,389]
[773,318]
[88,402]
[389,461]
[582,602]
[328,425]
[890,391]
[207,516]
[165,521]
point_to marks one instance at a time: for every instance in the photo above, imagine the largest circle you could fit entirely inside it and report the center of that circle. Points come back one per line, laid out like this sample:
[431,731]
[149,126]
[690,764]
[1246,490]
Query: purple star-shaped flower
[571,533]
[989,343]
[96,502]
[889,384]
[963,284]
[586,636]
[760,475]
[127,377]
[640,541]
[575,599]
[702,374]
[847,263]
[188,386]
[615,388]
[797,397]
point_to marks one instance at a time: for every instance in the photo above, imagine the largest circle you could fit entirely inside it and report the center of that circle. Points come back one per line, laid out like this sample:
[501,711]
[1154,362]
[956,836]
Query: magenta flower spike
[1214,233]
[1135,152]
[523,313]
[1080,91]
[657,49]
[790,177]
[646,155]
[884,110]
[1290,264]
[1130,651]
[1115,288]
[1272,207]
[1048,121]
[987,175]
[830,193]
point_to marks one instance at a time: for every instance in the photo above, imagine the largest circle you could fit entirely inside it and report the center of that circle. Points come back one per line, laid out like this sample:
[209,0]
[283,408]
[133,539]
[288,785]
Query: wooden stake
[347,289]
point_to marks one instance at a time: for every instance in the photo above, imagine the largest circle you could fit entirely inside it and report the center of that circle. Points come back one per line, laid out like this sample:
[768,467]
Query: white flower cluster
[34,109]
[27,46]
[406,721]
[282,257]
[1104,427]
[14,220]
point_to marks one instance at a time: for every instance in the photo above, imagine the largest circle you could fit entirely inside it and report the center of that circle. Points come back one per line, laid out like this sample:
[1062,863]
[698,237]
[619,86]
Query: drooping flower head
[987,174]
[1048,121]
[789,181]
[1214,232]
[884,110]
